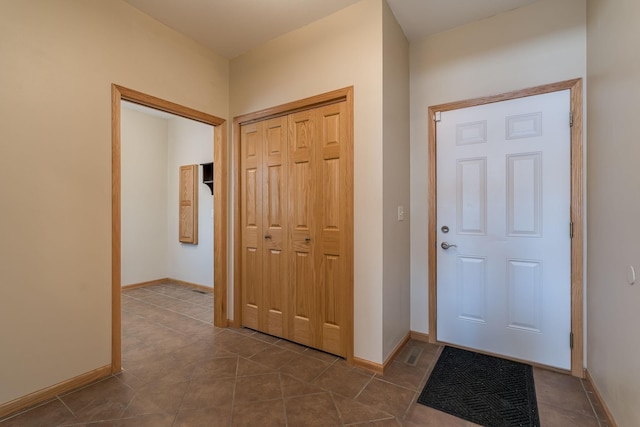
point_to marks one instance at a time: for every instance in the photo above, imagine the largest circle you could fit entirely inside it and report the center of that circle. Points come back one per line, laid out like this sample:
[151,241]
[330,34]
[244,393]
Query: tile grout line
[364,386]
[342,423]
[167,309]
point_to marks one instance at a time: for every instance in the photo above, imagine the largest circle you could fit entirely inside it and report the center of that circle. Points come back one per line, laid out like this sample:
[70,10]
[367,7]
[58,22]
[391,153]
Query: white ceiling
[232,27]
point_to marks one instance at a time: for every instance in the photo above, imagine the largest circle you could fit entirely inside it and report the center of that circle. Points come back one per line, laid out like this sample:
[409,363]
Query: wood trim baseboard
[50,392]
[380,368]
[203,288]
[596,393]
[374,367]
[191,285]
[143,284]
[419,336]
[396,351]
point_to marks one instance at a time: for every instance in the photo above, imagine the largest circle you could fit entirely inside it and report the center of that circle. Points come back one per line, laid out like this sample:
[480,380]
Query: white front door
[503,201]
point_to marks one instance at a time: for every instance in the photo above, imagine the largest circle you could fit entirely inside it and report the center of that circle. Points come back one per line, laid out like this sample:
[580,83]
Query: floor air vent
[413,356]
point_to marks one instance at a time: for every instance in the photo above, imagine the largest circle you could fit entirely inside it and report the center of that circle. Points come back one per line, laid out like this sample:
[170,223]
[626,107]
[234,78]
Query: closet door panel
[303,292]
[274,211]
[251,217]
[332,143]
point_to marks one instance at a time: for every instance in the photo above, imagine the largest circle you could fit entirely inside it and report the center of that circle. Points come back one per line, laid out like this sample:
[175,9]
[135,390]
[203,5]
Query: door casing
[577,207]
[119,93]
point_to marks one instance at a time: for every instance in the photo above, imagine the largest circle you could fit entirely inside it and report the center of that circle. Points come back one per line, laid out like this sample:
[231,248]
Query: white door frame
[577,207]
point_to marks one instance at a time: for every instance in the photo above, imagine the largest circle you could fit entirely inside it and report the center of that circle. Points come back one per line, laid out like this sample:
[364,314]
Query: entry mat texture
[486,390]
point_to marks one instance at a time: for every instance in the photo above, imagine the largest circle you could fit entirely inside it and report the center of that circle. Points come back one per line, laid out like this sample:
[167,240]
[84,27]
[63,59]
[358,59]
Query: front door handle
[446,246]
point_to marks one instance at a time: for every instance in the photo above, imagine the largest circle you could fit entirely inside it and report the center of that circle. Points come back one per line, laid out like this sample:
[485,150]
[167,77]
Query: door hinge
[436,116]
[571,340]
[571,230]
[570,119]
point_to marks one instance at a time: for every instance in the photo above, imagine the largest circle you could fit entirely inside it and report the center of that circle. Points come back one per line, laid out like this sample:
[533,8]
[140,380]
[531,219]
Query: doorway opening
[574,340]
[120,94]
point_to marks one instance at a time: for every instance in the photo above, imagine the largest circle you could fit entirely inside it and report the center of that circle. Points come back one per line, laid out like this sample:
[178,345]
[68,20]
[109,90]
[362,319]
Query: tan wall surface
[613,306]
[396,267]
[341,50]
[58,60]
[534,45]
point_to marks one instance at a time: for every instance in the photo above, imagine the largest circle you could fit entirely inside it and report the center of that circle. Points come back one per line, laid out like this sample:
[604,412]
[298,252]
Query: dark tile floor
[179,370]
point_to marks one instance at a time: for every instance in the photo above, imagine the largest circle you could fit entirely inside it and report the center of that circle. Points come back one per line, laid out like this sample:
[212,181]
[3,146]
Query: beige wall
[534,45]
[190,142]
[341,50]
[395,172]
[144,196]
[614,209]
[58,62]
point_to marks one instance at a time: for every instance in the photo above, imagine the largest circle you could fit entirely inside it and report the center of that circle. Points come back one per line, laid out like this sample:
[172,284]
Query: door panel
[302,235]
[251,217]
[332,217]
[274,277]
[503,190]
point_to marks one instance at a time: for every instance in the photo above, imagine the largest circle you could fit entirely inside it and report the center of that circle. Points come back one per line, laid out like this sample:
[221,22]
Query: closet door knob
[307,239]
[267,236]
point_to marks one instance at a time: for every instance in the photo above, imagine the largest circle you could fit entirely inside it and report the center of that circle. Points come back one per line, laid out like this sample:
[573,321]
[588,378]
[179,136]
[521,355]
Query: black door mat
[486,390]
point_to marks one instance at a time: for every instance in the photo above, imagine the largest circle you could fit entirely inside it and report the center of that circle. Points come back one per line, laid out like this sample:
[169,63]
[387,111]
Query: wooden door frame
[119,93]
[339,95]
[576,211]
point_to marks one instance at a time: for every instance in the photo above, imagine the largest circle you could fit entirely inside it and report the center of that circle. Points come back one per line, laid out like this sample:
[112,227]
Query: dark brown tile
[218,367]
[150,420]
[258,387]
[353,412]
[270,339]
[47,414]
[241,331]
[320,355]
[304,368]
[553,416]
[178,365]
[311,410]
[164,370]
[157,399]
[343,381]
[562,391]
[387,397]
[205,316]
[215,392]
[294,387]
[391,422]
[291,346]
[424,416]
[204,417]
[267,413]
[241,345]
[274,357]
[598,409]
[404,375]
[198,351]
[249,367]
[107,399]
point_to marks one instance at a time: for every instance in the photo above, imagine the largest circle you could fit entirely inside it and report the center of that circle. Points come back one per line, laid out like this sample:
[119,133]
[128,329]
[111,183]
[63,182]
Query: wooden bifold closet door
[296,201]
